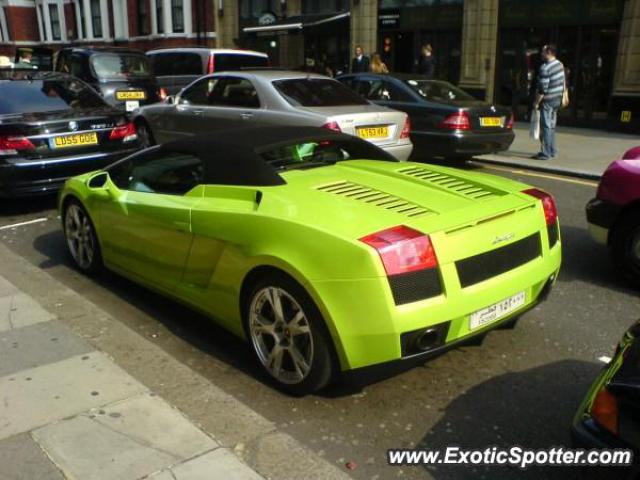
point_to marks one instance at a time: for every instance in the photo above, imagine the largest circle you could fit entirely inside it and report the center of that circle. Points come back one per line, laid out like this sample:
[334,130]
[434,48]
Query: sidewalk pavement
[583,153]
[67,410]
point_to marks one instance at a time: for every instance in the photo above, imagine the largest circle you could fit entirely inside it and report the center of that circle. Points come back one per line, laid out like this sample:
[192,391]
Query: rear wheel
[288,335]
[625,246]
[144,134]
[81,238]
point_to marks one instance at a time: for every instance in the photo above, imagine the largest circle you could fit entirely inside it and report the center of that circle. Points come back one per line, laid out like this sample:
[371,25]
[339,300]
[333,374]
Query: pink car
[614,215]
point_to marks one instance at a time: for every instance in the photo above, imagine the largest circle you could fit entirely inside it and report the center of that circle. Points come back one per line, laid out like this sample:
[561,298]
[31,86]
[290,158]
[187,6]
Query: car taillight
[456,121]
[406,129]
[509,125]
[548,204]
[333,125]
[162,93]
[13,145]
[126,133]
[604,410]
[211,64]
[403,250]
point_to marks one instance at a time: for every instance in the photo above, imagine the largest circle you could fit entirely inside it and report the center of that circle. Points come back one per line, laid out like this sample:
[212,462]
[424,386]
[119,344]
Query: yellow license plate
[131,95]
[75,140]
[373,132]
[490,121]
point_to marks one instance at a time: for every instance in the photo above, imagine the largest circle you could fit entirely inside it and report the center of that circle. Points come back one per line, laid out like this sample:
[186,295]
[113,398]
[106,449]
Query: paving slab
[125,440]
[35,397]
[36,345]
[221,463]
[20,310]
[22,459]
[7,288]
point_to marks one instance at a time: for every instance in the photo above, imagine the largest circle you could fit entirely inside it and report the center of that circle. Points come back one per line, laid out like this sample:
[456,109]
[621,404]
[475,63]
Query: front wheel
[82,241]
[288,335]
[625,246]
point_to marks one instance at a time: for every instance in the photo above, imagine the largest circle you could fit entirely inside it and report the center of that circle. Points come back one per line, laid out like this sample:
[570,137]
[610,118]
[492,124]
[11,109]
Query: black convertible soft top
[233,157]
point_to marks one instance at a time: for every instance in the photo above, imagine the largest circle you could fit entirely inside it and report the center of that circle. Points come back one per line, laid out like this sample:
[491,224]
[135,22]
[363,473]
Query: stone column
[364,25]
[291,46]
[479,44]
[227,25]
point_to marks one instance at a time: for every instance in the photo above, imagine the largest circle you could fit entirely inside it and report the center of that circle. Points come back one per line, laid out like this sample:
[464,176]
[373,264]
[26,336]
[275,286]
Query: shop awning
[297,22]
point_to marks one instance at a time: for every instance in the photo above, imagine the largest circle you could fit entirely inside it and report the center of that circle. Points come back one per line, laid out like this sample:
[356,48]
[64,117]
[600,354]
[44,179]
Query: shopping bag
[534,126]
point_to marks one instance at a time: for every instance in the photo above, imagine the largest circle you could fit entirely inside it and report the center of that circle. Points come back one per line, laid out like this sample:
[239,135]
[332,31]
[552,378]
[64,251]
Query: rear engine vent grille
[376,198]
[454,184]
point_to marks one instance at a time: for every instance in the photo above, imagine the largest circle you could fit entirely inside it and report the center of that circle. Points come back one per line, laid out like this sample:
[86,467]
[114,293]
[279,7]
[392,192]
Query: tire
[304,362]
[145,134]
[81,239]
[625,246]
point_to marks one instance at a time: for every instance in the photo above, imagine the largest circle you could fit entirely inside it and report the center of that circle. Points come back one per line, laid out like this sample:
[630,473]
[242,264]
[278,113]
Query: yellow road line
[589,183]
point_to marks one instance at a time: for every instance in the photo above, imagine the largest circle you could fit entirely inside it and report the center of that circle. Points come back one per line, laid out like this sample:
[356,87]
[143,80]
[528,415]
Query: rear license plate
[373,132]
[494,312]
[490,121]
[131,105]
[131,95]
[75,140]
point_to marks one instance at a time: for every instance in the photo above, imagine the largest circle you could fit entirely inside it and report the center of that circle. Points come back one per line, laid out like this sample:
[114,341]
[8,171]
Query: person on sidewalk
[360,63]
[551,84]
[377,65]
[426,62]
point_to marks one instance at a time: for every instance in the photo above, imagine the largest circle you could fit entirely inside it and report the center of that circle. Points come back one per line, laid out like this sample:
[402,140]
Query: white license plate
[131,105]
[494,312]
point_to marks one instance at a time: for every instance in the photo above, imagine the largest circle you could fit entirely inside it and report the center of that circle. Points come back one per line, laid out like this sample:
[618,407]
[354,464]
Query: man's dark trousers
[548,119]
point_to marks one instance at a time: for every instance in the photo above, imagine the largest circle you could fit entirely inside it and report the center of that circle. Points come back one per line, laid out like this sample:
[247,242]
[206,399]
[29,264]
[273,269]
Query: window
[142,17]
[54,17]
[96,18]
[168,64]
[234,92]
[177,16]
[159,16]
[120,65]
[199,92]
[317,92]
[233,61]
[437,91]
[159,172]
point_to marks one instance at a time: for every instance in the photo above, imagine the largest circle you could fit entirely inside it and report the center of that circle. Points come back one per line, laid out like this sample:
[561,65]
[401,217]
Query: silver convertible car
[272,97]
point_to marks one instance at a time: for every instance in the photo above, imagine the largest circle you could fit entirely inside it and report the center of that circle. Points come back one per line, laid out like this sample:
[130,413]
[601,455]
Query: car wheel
[288,335]
[81,238]
[625,246]
[145,135]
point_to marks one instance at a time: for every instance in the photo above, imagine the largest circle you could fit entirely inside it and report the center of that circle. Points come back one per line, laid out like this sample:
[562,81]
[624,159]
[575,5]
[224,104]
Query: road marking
[604,359]
[22,224]
[543,175]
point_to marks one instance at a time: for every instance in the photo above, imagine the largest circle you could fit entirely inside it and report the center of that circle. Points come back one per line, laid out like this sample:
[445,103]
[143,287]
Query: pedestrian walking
[360,63]
[549,95]
[377,65]
[426,62]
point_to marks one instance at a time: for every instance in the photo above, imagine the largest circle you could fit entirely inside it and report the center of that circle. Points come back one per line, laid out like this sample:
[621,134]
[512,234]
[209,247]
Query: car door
[148,217]
[233,102]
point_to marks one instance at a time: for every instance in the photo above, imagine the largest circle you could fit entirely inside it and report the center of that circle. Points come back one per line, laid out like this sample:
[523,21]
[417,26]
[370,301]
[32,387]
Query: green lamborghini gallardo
[320,249]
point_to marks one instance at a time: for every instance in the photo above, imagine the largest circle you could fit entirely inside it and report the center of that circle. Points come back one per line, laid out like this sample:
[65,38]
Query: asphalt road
[519,386]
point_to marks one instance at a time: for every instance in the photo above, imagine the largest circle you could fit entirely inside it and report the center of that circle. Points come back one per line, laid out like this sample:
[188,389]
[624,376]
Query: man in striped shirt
[551,84]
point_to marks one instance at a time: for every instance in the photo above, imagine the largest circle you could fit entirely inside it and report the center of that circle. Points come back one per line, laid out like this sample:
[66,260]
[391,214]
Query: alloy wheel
[80,238]
[281,335]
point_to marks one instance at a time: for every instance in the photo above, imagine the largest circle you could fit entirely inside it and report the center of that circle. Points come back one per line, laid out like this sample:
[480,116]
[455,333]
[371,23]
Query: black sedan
[445,120]
[53,126]
[609,416]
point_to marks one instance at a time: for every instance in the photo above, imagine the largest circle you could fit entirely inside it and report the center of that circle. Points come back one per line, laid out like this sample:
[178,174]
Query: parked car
[121,75]
[445,120]
[323,250]
[53,126]
[613,215]
[609,415]
[273,97]
[175,68]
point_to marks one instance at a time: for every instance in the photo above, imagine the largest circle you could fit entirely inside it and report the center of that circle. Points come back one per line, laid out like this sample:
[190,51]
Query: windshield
[120,65]
[24,96]
[323,152]
[317,92]
[439,91]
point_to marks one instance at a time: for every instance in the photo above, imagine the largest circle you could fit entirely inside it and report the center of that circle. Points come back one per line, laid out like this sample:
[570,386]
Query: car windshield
[319,153]
[317,92]
[120,65]
[33,96]
[438,91]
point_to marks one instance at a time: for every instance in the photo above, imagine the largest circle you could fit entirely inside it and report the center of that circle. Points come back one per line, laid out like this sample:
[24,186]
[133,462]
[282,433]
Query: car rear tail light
[403,250]
[548,204]
[406,129]
[126,133]
[456,121]
[162,93]
[211,64]
[13,145]
[604,410]
[333,125]
[509,125]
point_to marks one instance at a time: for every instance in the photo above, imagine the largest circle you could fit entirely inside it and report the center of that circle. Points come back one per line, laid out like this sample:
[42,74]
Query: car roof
[397,76]
[92,49]
[234,155]
[209,50]
[274,73]
[28,74]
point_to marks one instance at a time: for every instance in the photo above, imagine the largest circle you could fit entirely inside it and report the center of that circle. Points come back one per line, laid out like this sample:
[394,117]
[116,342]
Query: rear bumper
[451,144]
[22,177]
[601,216]
[400,151]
